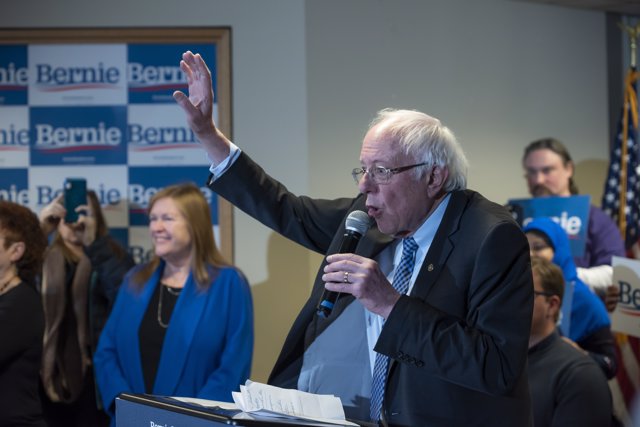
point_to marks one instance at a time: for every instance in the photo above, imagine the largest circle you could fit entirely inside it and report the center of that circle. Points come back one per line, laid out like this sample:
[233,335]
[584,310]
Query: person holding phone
[82,271]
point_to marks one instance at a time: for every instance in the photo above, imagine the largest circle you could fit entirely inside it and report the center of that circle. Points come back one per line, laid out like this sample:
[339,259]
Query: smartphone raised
[75,194]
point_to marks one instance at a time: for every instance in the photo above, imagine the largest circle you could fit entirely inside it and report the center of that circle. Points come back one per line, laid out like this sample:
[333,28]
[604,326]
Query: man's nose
[366,183]
[536,177]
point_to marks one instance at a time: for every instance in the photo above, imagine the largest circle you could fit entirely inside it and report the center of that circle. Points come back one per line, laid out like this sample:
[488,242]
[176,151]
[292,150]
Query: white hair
[424,138]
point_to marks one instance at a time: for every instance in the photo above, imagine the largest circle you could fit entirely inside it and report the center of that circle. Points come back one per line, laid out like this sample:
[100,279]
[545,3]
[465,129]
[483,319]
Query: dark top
[603,240]
[567,387]
[151,333]
[110,262]
[600,345]
[21,330]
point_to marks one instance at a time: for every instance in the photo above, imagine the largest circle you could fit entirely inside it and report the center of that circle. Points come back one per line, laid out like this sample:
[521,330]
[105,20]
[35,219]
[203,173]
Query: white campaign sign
[626,275]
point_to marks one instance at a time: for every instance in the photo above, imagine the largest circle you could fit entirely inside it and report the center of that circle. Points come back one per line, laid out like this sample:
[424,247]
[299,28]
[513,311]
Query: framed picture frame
[97,103]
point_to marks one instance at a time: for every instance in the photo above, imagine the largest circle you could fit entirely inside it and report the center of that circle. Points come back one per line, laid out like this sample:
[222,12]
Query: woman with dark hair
[22,246]
[182,324]
[82,271]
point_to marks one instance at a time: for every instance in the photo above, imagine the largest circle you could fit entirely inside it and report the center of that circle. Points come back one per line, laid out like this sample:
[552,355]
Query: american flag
[621,199]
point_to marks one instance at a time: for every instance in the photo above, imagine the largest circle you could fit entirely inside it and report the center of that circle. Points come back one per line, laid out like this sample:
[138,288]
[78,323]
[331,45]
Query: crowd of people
[80,323]
[449,312]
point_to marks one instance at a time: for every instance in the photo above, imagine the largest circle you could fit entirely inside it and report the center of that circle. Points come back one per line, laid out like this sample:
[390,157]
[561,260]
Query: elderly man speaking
[432,325]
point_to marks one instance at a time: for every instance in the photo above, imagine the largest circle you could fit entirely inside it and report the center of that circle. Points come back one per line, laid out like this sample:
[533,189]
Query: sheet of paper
[268,400]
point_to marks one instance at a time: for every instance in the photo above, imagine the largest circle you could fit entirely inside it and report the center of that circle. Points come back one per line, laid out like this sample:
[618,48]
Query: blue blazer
[207,348]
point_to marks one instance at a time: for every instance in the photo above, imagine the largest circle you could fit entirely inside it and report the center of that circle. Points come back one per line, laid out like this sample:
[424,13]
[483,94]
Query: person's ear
[571,168]
[16,251]
[437,177]
[555,304]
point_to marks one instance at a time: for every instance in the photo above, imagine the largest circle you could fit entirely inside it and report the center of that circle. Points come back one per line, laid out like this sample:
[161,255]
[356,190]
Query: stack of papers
[265,400]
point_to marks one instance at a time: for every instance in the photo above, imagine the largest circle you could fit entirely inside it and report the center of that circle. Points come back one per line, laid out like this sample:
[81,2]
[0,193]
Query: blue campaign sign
[565,310]
[154,73]
[572,213]
[144,182]
[78,135]
[105,112]
[14,75]
[14,185]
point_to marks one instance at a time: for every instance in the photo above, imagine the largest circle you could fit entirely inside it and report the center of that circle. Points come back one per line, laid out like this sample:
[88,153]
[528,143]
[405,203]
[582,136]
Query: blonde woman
[182,324]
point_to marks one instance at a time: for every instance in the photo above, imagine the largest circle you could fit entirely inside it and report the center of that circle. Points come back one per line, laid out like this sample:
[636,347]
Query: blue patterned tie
[401,280]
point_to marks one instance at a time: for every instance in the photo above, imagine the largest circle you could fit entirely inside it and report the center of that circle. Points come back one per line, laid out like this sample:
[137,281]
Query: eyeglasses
[380,174]
[543,293]
[538,247]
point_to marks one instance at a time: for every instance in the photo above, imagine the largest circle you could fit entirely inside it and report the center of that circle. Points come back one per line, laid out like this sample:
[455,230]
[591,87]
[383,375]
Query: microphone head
[358,221]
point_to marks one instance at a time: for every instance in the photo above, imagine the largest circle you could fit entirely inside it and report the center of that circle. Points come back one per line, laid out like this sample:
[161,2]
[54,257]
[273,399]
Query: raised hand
[198,106]
[51,215]
[86,223]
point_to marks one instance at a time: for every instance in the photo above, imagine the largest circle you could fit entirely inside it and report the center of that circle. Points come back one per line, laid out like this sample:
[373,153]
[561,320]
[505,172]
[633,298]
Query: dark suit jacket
[458,344]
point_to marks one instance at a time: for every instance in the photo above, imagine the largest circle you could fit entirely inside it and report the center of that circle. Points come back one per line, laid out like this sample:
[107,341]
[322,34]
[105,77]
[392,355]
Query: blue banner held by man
[572,213]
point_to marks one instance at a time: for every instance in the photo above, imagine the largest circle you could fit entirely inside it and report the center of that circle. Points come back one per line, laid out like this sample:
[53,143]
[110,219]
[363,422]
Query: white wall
[498,73]
[308,76]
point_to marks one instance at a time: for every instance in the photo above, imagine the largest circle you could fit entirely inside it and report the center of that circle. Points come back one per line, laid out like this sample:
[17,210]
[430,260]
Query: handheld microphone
[356,225]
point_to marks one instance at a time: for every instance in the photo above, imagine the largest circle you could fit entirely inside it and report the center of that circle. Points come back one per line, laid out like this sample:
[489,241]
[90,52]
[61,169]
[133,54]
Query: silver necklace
[172,292]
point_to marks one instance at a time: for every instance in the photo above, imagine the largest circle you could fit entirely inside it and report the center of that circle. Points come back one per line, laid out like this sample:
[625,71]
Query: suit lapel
[439,251]
[441,246]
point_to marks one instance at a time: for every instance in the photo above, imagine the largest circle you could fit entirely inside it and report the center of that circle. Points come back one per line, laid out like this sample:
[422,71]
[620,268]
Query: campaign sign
[626,317]
[109,183]
[565,309]
[572,213]
[159,136]
[154,70]
[144,182]
[78,74]
[14,185]
[140,246]
[78,135]
[14,75]
[14,136]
